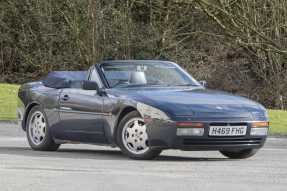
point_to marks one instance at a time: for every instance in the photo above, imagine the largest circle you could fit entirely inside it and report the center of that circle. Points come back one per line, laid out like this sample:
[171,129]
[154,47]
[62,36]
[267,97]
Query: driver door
[81,116]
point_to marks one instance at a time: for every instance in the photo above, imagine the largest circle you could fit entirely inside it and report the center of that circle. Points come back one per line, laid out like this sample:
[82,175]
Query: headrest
[137,78]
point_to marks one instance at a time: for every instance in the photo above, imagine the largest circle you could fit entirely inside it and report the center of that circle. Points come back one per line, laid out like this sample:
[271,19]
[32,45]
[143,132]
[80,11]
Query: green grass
[278,122]
[8,104]
[8,101]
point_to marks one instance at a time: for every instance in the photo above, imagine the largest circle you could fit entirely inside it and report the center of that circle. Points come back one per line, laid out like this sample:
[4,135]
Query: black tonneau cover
[64,79]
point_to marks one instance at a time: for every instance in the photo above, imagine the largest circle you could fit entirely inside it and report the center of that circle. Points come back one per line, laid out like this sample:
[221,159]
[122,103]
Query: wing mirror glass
[90,85]
[203,83]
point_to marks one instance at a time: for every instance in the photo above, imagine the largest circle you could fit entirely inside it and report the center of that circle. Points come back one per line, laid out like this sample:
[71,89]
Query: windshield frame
[194,82]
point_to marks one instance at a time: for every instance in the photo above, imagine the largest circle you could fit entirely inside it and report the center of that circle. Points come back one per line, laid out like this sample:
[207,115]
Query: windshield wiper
[156,84]
[142,85]
[186,85]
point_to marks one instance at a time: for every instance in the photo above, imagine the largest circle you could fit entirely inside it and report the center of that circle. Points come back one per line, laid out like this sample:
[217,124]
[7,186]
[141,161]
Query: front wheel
[133,139]
[239,154]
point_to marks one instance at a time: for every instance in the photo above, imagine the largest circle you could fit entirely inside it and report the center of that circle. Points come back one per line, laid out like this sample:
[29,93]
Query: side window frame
[92,71]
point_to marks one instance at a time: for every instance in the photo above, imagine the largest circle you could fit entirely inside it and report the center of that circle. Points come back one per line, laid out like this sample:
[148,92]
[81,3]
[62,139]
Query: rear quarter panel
[35,93]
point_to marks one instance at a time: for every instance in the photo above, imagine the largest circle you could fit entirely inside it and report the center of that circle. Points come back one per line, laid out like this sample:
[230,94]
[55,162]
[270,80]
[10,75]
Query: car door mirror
[203,83]
[90,85]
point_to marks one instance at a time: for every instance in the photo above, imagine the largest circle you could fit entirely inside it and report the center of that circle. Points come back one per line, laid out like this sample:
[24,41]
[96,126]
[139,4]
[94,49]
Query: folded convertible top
[63,79]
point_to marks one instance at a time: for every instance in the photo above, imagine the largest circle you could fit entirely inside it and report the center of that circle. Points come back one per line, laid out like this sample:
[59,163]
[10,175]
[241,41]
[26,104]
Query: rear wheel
[133,139]
[239,154]
[37,130]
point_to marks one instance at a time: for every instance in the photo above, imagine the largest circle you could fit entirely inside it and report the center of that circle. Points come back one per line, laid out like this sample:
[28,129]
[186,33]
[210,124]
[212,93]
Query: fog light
[260,124]
[189,124]
[190,131]
[259,131]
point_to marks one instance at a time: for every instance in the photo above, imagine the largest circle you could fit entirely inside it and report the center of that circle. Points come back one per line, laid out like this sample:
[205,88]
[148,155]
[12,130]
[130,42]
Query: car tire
[131,136]
[240,154]
[37,131]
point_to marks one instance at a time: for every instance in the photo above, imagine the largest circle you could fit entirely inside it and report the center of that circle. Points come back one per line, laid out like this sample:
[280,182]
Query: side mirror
[203,83]
[90,85]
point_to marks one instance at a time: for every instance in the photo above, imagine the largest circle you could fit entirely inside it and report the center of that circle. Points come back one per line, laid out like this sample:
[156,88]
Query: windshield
[146,74]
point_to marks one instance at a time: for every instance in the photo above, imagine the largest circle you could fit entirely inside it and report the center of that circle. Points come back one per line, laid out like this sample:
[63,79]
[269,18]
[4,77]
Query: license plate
[227,130]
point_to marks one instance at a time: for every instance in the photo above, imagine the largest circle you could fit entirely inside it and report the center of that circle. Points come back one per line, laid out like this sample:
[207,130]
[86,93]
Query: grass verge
[278,122]
[8,104]
[8,101]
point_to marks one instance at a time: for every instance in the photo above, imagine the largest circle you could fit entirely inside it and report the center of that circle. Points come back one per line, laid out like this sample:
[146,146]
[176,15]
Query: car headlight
[151,112]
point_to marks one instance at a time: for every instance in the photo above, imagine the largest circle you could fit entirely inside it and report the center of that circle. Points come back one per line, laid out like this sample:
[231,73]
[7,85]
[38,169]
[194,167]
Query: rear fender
[26,112]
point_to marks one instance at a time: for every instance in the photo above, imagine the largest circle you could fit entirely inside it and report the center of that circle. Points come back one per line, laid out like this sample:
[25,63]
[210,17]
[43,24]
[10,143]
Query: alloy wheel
[134,136]
[37,128]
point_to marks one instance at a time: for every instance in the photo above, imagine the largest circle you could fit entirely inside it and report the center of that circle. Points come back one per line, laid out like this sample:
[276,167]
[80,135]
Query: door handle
[65,97]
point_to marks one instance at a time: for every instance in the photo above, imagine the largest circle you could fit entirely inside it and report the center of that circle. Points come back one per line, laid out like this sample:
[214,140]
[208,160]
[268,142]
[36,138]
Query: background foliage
[236,45]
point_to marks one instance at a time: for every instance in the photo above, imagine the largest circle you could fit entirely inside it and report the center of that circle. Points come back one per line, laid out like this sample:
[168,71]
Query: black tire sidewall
[48,142]
[149,154]
[240,154]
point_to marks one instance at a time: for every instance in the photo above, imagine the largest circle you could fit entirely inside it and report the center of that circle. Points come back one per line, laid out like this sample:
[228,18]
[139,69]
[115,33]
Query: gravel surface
[96,168]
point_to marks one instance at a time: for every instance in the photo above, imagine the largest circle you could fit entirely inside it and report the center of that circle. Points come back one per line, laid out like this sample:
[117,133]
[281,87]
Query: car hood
[193,101]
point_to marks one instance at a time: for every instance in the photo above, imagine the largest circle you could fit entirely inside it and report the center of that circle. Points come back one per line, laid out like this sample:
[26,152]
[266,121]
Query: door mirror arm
[203,83]
[101,92]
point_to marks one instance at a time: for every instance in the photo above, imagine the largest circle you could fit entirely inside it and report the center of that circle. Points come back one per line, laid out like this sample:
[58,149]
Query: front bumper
[162,134]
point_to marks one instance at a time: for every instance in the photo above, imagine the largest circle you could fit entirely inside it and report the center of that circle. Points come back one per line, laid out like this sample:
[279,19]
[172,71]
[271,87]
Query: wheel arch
[26,114]
[122,114]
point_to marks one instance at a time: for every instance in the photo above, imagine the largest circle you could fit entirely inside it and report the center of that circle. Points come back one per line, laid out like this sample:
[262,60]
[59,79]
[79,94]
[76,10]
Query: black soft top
[64,79]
